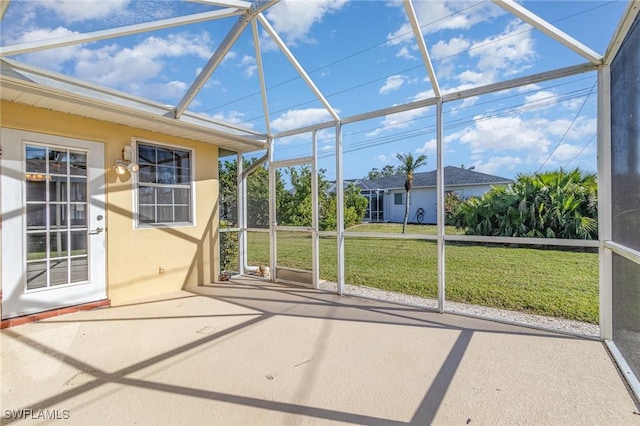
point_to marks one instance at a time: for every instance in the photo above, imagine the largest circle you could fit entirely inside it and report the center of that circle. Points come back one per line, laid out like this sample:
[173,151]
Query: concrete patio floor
[250,352]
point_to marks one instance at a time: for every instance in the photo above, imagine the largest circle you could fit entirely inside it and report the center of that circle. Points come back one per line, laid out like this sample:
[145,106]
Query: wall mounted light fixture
[120,167]
[126,164]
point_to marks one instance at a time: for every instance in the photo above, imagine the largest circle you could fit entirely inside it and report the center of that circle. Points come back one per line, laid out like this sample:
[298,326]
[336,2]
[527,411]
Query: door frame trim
[16,301]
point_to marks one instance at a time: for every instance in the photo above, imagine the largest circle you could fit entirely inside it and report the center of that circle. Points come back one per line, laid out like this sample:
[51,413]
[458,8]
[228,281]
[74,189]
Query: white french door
[53,222]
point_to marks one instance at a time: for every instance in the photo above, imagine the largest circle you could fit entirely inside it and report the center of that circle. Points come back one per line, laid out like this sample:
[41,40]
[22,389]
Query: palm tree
[408,165]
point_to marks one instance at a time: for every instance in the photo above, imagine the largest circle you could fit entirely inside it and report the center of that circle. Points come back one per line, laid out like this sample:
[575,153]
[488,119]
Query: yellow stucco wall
[140,262]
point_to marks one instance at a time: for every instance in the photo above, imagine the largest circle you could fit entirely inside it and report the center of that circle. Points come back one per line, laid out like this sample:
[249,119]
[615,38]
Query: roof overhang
[42,89]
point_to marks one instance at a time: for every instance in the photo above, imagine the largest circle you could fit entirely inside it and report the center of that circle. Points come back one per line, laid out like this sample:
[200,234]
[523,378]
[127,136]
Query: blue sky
[362,56]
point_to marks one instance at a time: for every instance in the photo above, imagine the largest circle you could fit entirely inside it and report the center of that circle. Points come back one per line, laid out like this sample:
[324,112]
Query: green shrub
[452,205]
[557,204]
[228,249]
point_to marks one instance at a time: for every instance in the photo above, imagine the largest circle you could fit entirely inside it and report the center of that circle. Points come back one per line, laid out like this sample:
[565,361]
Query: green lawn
[557,283]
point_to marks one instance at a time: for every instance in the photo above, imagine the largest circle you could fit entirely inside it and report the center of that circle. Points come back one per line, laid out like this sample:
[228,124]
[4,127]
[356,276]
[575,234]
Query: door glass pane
[36,275]
[78,243]
[37,246]
[58,244]
[59,272]
[78,190]
[58,188]
[36,189]
[58,216]
[78,163]
[36,216]
[58,161]
[78,215]
[79,269]
[36,157]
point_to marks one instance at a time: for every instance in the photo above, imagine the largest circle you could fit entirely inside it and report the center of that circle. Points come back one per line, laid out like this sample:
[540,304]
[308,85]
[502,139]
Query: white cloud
[497,165]
[232,54]
[572,104]
[542,98]
[447,15]
[49,59]
[434,17]
[75,11]
[429,146]
[404,53]
[234,117]
[393,83]
[404,34]
[468,102]
[131,68]
[170,90]
[496,56]
[532,139]
[565,152]
[398,120]
[425,94]
[176,45]
[476,78]
[570,129]
[294,119]
[527,88]
[404,119]
[248,63]
[443,49]
[507,133]
[383,159]
[293,19]
[509,51]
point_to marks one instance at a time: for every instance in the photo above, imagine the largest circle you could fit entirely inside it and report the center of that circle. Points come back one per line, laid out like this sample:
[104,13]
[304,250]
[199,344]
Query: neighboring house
[387,196]
[79,225]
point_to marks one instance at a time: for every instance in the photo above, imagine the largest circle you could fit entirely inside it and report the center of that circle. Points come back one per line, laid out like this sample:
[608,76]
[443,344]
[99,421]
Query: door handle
[96,231]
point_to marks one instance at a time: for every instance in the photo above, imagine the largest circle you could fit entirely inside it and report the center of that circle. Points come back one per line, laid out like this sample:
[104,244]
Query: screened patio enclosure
[325,148]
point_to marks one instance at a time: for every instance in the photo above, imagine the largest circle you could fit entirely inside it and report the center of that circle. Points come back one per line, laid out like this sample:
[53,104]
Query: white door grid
[53,234]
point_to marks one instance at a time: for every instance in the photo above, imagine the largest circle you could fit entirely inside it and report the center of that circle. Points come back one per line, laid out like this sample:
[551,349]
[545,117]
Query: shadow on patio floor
[251,352]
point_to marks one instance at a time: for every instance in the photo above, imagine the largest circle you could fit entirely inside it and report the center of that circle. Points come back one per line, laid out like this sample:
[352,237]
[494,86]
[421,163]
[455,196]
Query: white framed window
[164,185]
[398,199]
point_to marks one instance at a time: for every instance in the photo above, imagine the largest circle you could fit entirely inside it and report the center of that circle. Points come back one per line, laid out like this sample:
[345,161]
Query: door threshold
[25,319]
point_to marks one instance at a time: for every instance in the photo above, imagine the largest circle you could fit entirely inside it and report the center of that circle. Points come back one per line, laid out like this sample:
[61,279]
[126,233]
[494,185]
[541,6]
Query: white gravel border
[512,317]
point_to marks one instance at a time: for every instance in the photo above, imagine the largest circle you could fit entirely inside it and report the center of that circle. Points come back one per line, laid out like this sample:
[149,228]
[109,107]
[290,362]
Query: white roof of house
[453,176]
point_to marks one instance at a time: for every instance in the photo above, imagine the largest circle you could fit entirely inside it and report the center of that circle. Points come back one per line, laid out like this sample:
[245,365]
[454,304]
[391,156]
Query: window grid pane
[164,185]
